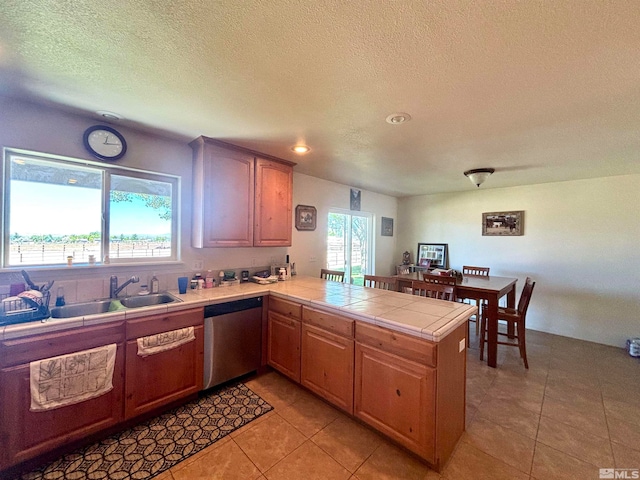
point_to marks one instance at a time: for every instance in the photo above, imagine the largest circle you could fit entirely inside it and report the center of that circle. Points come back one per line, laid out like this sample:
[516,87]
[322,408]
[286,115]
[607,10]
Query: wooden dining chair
[475,271]
[440,291]
[441,279]
[377,281]
[470,271]
[334,275]
[513,316]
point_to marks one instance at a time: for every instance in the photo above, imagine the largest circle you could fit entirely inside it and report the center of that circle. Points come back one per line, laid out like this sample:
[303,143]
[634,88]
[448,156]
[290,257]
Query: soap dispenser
[155,284]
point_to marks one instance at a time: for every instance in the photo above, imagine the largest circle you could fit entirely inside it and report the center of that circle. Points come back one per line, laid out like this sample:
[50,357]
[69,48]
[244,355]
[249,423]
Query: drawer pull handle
[397,392]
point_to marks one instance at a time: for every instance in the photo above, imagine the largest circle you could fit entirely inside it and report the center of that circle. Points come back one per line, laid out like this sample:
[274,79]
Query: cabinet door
[397,397]
[283,345]
[162,378]
[26,434]
[223,198]
[327,366]
[274,192]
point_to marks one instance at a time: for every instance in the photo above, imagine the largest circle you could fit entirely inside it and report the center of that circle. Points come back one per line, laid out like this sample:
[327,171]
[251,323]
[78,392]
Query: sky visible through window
[62,210]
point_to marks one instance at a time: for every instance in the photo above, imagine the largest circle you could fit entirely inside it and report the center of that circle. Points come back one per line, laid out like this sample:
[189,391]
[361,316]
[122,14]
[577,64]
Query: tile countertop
[422,317]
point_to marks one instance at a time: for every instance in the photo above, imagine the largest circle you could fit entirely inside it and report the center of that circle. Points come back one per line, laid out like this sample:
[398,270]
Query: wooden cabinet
[327,358]
[165,377]
[283,337]
[396,396]
[25,434]
[411,389]
[241,198]
[272,215]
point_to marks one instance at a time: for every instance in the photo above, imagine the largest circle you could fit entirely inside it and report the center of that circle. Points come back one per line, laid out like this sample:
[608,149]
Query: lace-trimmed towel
[73,378]
[164,341]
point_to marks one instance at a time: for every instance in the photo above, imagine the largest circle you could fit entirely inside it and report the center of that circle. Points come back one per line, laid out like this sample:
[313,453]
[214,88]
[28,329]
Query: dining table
[489,289]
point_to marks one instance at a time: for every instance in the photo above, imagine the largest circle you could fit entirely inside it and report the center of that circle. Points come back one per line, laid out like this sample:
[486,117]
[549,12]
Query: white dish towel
[161,342]
[73,378]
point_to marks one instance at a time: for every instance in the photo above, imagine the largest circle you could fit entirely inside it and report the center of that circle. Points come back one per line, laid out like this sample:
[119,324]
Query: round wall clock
[104,142]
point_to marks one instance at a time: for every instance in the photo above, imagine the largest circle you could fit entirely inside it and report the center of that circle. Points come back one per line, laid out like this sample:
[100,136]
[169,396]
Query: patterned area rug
[150,448]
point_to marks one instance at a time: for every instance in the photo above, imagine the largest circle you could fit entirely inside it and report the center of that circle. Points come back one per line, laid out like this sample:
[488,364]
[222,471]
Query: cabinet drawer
[36,347]
[328,321]
[411,348]
[141,327]
[285,307]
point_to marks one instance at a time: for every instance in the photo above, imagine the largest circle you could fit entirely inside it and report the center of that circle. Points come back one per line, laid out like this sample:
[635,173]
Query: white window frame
[107,170]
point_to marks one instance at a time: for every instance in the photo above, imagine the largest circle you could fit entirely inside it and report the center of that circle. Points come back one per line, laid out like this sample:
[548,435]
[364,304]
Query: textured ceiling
[541,91]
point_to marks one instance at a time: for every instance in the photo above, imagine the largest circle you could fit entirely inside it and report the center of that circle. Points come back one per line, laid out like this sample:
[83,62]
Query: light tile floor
[576,409]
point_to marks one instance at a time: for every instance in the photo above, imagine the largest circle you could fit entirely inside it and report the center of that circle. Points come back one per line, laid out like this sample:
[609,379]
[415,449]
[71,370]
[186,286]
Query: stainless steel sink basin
[148,300]
[102,306]
[81,309]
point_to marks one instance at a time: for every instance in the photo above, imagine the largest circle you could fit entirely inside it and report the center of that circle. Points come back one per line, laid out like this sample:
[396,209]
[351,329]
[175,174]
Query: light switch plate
[463,344]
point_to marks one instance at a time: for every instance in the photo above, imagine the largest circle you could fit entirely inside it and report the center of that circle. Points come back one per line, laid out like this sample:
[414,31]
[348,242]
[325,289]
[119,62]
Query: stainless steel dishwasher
[232,340]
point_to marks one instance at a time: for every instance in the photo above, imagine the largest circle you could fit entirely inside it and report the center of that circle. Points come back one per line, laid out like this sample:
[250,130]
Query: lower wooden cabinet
[25,434]
[283,345]
[164,377]
[397,397]
[327,366]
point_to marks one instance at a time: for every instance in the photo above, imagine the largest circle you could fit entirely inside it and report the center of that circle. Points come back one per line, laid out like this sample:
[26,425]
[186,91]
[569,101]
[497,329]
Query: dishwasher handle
[231,307]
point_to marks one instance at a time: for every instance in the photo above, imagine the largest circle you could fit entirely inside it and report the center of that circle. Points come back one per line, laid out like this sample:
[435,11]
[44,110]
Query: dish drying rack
[23,309]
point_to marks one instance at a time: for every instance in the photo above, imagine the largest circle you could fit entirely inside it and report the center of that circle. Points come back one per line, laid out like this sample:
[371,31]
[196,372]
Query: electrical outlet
[313,258]
[198,265]
[254,262]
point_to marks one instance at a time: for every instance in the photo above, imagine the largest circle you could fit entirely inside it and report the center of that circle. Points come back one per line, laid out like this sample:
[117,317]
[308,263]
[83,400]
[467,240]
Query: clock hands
[106,141]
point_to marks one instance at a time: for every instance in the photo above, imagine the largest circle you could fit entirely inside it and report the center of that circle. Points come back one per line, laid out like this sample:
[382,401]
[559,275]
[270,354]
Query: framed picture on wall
[432,255]
[503,224]
[306,216]
[386,227]
[354,201]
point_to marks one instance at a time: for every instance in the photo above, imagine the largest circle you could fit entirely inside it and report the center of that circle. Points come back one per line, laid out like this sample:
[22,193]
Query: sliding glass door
[350,244]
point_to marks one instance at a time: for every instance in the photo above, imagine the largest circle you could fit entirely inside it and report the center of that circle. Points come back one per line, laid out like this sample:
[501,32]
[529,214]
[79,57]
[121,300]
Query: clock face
[105,142]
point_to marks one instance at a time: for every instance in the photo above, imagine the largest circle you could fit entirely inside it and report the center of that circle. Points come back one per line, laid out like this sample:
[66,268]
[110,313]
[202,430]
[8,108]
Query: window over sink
[57,207]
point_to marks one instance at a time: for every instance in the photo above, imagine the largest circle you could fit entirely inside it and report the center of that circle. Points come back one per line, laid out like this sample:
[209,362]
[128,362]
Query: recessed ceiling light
[398,118]
[72,180]
[109,115]
[300,149]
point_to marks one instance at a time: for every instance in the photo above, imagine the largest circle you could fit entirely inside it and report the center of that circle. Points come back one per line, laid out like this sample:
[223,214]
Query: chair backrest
[376,281]
[440,279]
[403,270]
[525,298]
[434,290]
[475,271]
[335,275]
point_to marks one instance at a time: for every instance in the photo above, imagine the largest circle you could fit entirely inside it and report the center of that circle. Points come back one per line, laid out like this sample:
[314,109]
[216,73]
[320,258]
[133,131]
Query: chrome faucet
[114,290]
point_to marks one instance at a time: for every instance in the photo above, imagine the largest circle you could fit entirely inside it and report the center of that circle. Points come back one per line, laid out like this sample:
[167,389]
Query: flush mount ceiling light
[109,115]
[398,118]
[300,149]
[478,175]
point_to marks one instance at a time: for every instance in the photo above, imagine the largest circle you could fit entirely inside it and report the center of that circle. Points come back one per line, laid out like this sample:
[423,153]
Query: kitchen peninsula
[394,361]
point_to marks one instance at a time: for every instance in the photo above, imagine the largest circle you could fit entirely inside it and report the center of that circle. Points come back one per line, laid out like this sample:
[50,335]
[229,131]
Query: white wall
[580,245]
[324,195]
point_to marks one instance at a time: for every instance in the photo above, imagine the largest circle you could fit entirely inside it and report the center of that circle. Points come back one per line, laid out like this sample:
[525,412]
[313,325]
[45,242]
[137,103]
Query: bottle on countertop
[155,284]
[208,280]
[220,278]
[60,297]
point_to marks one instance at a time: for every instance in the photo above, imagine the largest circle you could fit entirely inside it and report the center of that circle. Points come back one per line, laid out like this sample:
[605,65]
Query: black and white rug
[150,448]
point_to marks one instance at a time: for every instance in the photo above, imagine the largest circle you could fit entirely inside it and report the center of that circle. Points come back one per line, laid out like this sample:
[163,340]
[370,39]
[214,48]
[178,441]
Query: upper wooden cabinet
[241,198]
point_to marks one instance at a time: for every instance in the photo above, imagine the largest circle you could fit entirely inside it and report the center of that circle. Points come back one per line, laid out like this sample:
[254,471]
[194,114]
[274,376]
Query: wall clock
[104,142]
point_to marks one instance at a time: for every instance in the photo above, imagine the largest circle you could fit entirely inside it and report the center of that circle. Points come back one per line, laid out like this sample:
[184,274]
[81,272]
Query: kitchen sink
[81,309]
[148,300]
[102,306]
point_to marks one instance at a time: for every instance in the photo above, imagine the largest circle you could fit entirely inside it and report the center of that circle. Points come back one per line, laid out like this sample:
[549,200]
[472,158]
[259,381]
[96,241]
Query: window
[350,245]
[57,207]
